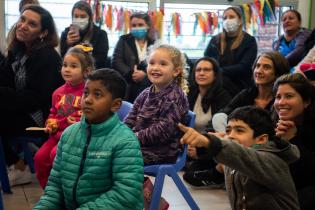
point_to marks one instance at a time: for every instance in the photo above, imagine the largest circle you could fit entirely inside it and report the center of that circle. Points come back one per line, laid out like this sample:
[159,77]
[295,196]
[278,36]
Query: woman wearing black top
[28,77]
[237,52]
[82,30]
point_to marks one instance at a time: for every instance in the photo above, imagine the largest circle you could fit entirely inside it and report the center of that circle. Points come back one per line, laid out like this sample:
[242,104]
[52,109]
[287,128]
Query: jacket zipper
[75,185]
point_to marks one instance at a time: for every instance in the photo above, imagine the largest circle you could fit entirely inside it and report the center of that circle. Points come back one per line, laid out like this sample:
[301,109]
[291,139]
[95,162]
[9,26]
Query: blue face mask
[139,33]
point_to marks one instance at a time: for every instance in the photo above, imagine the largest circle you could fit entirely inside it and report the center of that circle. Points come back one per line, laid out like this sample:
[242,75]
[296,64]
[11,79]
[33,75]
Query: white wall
[304,7]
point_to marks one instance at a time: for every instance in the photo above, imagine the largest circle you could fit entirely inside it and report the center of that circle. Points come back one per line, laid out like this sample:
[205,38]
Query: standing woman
[291,43]
[294,105]
[28,77]
[237,52]
[83,29]
[129,57]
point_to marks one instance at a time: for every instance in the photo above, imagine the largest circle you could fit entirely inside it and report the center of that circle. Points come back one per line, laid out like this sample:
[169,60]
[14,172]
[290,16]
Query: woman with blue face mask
[236,51]
[129,57]
[83,30]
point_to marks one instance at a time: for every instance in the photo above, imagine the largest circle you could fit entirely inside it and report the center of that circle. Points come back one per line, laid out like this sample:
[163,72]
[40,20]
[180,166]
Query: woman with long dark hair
[28,77]
[294,117]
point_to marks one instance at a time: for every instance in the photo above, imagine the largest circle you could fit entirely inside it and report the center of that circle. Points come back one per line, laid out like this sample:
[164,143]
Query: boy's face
[239,131]
[97,102]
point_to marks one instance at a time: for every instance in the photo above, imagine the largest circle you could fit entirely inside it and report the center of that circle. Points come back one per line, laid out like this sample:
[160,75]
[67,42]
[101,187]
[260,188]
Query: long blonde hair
[179,62]
[240,34]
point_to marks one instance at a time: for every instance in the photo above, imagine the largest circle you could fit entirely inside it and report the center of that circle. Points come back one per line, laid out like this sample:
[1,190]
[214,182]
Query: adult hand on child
[192,137]
[138,75]
[71,120]
[286,129]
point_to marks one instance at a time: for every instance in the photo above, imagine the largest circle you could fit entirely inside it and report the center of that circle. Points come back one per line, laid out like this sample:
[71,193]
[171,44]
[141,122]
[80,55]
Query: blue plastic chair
[159,171]
[124,110]
[5,184]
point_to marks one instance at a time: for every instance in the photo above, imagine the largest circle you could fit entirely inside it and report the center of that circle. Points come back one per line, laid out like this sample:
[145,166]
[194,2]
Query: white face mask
[81,22]
[231,25]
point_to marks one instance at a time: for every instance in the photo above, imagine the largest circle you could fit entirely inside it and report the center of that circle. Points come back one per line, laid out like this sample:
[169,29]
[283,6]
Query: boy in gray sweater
[256,168]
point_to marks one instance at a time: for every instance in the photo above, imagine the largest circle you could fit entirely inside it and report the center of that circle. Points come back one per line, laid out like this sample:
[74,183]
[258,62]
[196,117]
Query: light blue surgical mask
[139,33]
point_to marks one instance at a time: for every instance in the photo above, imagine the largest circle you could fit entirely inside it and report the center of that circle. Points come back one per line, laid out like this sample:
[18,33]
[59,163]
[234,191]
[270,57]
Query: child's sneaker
[18,177]
[207,178]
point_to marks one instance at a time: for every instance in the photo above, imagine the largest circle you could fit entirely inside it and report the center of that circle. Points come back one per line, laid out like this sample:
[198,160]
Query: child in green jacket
[98,163]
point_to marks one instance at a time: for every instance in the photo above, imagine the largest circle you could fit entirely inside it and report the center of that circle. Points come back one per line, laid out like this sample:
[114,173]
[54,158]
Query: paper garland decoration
[254,14]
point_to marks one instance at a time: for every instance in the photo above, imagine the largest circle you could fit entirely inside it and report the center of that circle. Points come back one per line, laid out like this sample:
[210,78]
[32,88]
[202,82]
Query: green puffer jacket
[96,167]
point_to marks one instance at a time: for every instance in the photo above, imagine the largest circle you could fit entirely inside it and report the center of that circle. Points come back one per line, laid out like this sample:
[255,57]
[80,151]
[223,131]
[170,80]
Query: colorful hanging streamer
[109,17]
[176,23]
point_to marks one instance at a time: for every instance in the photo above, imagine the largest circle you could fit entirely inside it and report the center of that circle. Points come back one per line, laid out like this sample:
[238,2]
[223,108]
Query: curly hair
[179,61]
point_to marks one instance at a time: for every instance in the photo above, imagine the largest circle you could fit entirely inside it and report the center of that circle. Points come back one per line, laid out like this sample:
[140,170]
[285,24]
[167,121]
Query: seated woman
[28,77]
[237,52]
[82,30]
[267,68]
[294,118]
[291,43]
[130,53]
[206,97]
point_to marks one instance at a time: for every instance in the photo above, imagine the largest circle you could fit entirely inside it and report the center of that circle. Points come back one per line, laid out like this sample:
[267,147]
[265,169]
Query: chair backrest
[124,110]
[190,122]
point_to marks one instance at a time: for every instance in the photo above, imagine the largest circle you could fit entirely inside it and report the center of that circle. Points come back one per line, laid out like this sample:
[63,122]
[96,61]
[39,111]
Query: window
[193,43]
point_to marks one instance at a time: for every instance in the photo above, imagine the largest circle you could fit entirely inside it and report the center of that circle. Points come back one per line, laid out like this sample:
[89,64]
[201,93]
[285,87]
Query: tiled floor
[25,197]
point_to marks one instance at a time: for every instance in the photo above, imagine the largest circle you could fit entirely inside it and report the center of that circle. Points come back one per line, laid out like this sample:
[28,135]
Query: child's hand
[51,126]
[286,129]
[71,120]
[192,137]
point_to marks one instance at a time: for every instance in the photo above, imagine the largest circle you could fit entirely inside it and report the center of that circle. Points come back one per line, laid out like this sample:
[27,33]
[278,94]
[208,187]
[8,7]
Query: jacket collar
[102,128]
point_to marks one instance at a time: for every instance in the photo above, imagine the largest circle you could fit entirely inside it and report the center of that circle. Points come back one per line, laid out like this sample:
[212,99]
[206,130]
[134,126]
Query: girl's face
[28,27]
[288,103]
[290,22]
[161,70]
[264,73]
[72,71]
[204,73]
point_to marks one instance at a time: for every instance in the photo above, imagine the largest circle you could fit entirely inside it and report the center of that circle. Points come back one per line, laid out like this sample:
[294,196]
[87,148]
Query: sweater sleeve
[131,118]
[264,167]
[160,132]
[127,179]
[53,197]
[296,55]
